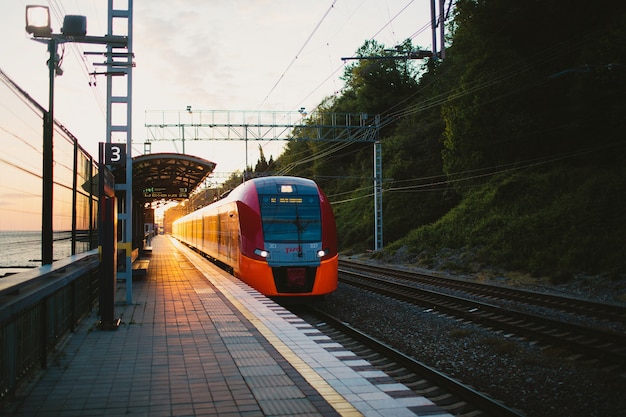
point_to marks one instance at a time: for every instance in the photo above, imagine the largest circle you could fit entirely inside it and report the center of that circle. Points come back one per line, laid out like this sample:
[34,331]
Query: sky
[253,55]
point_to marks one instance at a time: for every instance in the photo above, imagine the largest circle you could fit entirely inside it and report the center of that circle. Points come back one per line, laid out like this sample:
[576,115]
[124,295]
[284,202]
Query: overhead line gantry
[194,125]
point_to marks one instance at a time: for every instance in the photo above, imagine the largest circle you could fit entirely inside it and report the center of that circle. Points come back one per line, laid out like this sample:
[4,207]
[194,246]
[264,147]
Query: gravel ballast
[537,380]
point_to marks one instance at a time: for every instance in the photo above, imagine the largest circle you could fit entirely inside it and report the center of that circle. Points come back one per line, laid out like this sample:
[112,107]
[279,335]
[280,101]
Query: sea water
[22,249]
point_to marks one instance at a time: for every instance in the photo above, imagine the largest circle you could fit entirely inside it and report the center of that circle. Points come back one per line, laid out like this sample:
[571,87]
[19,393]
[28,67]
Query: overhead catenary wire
[58,9]
[463,176]
[502,75]
[333,72]
[371,38]
[391,20]
[442,185]
[298,53]
[333,149]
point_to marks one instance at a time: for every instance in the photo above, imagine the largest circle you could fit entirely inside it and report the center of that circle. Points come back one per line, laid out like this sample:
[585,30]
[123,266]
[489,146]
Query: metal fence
[40,305]
[74,192]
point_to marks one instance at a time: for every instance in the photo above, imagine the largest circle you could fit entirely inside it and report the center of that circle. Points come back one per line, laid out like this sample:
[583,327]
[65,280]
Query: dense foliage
[510,148]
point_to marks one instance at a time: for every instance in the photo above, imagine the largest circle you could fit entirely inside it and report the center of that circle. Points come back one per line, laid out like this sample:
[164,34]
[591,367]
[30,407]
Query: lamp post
[74,30]
[48,161]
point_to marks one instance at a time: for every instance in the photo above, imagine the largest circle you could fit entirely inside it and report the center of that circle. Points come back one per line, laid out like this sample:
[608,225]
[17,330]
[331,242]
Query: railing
[39,307]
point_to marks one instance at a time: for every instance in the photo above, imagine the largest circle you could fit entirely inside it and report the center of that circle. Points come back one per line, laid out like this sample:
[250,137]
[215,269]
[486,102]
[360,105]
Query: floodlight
[74,25]
[38,21]
[74,30]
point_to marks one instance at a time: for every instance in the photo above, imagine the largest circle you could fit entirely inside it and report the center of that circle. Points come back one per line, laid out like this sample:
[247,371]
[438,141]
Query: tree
[262,165]
[524,95]
[372,86]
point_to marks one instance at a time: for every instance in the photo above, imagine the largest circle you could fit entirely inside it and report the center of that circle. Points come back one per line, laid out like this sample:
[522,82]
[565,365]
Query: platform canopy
[167,176]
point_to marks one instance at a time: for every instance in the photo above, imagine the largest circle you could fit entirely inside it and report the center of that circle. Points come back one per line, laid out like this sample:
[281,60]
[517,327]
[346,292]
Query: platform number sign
[114,154]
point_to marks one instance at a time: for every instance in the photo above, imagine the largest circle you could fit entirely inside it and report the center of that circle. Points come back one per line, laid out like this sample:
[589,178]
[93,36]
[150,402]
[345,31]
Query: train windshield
[291,219]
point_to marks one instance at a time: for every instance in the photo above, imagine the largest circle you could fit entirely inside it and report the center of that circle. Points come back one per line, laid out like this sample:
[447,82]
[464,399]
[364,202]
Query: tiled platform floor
[197,342]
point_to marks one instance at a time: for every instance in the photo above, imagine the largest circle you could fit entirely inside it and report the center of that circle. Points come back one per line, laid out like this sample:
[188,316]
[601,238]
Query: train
[277,234]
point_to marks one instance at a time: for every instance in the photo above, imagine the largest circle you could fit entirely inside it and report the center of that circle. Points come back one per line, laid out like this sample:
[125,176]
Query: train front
[297,252]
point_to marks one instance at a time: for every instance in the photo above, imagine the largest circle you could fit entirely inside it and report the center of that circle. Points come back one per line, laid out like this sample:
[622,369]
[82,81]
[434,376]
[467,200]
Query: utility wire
[428,187]
[332,74]
[511,71]
[299,52]
[79,55]
[391,20]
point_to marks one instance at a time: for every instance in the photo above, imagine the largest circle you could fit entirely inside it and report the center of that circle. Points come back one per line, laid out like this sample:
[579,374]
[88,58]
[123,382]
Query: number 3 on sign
[114,154]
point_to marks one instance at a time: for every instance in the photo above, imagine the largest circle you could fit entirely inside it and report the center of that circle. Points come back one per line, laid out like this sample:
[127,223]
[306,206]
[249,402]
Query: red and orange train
[277,234]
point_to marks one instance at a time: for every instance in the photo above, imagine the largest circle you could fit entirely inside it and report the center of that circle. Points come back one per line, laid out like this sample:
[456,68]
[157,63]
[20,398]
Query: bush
[553,222]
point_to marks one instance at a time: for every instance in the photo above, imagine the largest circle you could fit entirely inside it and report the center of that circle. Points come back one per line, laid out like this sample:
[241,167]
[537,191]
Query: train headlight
[262,253]
[322,252]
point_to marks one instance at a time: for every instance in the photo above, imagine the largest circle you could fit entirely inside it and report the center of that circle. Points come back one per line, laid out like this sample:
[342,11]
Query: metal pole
[74,198]
[182,128]
[433,26]
[48,162]
[442,29]
[129,147]
[378,189]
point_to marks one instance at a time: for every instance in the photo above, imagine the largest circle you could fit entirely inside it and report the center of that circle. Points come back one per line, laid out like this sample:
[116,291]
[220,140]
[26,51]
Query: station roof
[167,176]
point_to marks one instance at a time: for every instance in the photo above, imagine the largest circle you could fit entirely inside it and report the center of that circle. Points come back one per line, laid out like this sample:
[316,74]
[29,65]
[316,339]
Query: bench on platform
[140,267]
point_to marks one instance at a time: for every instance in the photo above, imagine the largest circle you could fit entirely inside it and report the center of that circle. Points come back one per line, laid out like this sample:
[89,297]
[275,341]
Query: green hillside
[556,222]
[510,150]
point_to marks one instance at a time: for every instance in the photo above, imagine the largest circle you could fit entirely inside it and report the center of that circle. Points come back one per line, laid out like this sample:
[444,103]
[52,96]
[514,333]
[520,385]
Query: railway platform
[198,342]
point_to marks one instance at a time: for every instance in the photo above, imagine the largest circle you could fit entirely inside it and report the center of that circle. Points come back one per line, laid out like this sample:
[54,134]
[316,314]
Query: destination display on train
[166,192]
[292,200]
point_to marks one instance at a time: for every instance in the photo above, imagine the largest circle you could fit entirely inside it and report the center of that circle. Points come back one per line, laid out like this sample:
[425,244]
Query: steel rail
[605,346]
[484,403]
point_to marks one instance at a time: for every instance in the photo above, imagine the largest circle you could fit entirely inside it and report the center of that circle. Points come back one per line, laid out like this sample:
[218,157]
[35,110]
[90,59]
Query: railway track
[598,311]
[606,347]
[447,393]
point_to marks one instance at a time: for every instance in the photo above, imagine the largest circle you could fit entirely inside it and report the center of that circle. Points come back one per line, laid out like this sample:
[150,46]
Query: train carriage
[277,234]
